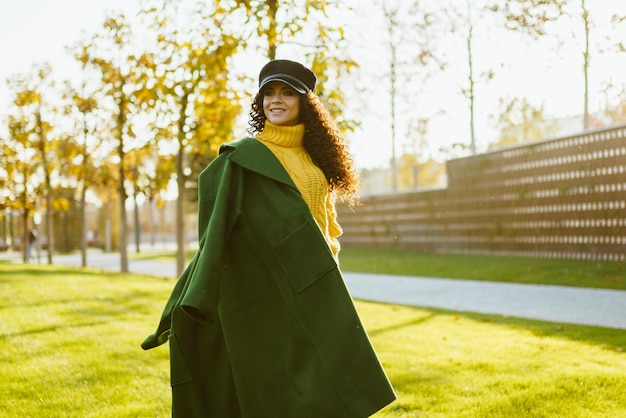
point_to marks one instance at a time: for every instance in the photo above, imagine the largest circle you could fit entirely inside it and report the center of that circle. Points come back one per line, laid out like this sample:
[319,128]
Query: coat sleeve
[162,332]
[219,192]
[197,290]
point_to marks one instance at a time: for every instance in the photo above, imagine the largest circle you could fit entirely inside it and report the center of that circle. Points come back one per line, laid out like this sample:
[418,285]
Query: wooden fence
[561,198]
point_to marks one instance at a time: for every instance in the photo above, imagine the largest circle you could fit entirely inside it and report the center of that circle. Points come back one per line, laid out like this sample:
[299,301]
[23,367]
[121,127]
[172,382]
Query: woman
[318,161]
[261,324]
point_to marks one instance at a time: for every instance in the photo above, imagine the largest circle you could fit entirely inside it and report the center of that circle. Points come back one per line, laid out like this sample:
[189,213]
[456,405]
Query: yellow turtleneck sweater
[286,144]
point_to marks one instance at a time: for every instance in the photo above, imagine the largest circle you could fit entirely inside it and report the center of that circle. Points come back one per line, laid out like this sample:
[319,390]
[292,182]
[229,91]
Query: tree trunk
[83,196]
[180,218]
[108,240]
[122,193]
[25,236]
[272,40]
[470,59]
[153,225]
[83,226]
[180,181]
[394,165]
[137,226]
[586,59]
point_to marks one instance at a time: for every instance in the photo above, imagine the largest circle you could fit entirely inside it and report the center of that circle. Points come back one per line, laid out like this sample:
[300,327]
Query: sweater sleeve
[334,229]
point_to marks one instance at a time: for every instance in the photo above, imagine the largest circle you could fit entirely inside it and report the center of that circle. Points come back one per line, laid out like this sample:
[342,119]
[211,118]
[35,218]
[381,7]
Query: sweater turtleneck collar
[286,136]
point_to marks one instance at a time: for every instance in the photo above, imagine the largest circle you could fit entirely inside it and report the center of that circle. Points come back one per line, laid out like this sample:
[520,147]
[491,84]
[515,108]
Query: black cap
[294,74]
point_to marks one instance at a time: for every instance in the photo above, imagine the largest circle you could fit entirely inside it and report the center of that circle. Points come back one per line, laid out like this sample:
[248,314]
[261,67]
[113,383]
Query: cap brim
[284,80]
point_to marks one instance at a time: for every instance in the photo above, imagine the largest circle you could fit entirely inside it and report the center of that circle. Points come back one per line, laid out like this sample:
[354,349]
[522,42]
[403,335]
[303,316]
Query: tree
[19,187]
[123,78]
[193,90]
[415,174]
[529,16]
[616,113]
[615,94]
[81,109]
[586,61]
[156,177]
[520,122]
[464,23]
[32,128]
[279,23]
[409,43]
[391,19]
[471,81]
[532,17]
[136,176]
[302,25]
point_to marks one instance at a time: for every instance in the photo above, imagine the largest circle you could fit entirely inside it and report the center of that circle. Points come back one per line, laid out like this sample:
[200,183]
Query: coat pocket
[304,256]
[179,372]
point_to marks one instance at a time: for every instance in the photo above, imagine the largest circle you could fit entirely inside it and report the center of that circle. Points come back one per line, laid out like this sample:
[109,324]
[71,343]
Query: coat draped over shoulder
[260,323]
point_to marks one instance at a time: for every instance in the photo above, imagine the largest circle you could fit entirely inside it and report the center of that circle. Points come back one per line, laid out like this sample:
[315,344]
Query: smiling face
[281,104]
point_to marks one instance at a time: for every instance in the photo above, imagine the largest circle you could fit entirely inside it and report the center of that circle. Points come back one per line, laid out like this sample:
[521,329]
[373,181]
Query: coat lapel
[253,155]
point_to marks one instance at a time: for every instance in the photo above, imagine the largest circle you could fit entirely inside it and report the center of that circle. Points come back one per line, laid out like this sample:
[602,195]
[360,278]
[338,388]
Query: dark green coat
[260,324]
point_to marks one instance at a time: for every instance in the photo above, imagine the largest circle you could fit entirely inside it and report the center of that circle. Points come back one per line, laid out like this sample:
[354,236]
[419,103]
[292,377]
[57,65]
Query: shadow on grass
[169,256]
[375,331]
[40,271]
[53,328]
[19,272]
[51,302]
[610,338]
[109,309]
[158,256]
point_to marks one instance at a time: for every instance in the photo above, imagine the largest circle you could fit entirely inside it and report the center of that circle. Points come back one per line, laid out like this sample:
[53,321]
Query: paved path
[606,308]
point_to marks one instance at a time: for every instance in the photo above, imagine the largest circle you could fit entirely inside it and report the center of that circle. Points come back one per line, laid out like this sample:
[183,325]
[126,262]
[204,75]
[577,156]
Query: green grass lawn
[578,273]
[70,348]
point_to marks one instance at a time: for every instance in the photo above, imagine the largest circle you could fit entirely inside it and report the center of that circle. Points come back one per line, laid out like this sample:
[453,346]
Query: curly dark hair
[322,141]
